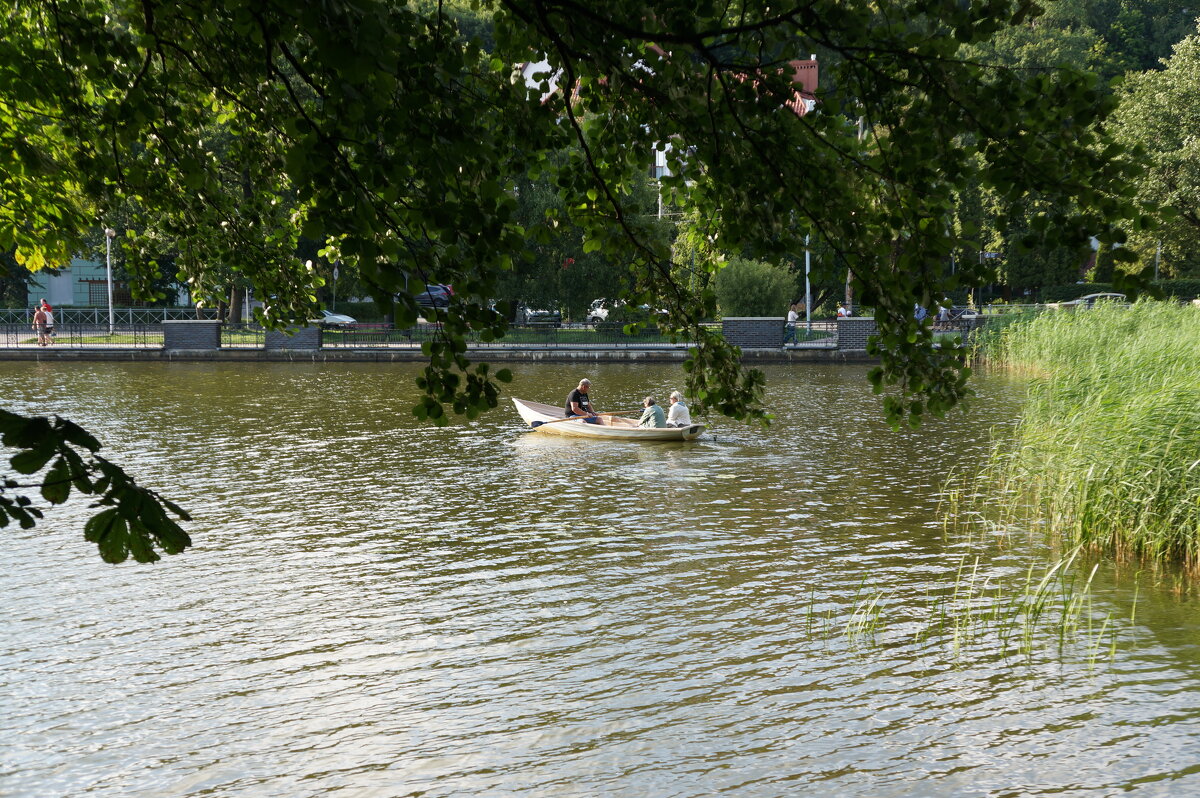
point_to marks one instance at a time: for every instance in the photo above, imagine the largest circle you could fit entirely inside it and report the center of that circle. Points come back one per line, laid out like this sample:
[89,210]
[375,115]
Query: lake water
[376,607]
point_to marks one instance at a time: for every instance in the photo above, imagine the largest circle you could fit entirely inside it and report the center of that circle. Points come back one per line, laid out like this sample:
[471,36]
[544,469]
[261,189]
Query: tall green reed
[1107,453]
[977,611]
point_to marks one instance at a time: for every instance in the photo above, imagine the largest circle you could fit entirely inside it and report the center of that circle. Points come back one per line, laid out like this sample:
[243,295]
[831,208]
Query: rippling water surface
[375,607]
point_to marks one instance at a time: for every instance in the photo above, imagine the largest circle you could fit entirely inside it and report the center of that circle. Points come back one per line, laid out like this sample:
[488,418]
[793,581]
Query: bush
[1178,289]
[754,288]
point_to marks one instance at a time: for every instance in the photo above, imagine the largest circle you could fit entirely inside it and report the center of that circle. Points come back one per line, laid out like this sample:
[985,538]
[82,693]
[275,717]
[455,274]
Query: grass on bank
[1107,453]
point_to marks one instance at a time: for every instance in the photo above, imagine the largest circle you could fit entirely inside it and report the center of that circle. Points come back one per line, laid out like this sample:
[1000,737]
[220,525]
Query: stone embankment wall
[767,333]
[191,335]
[750,332]
[854,332]
[761,340]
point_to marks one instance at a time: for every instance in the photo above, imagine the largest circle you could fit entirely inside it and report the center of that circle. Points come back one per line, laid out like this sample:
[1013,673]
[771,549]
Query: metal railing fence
[534,336]
[139,336]
[242,336]
[821,335]
[149,334]
[98,315]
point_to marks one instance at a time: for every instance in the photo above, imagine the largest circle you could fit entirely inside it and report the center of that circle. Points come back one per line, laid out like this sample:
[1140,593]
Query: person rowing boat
[580,404]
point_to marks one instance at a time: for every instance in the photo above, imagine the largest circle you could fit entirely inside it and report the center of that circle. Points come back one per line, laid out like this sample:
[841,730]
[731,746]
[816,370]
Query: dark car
[435,296]
[527,315]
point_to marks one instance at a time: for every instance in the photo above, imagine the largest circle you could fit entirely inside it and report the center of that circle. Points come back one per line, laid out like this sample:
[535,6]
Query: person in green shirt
[653,415]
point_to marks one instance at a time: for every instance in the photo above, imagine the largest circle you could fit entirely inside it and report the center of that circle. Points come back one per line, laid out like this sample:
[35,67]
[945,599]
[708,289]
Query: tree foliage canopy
[754,288]
[237,126]
[1160,112]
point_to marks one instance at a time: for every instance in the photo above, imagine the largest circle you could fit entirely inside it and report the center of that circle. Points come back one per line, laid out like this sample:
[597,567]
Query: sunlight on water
[378,607]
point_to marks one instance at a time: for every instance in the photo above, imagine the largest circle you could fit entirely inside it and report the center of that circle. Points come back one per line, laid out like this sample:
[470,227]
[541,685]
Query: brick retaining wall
[300,338]
[853,332]
[191,335]
[750,332]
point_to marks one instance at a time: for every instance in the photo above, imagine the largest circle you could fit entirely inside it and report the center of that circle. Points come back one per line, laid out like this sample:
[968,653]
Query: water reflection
[379,607]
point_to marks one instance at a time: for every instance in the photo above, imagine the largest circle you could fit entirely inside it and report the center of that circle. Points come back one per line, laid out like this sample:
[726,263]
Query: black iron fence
[817,334]
[242,336]
[533,336]
[251,336]
[823,334]
[139,336]
[99,315]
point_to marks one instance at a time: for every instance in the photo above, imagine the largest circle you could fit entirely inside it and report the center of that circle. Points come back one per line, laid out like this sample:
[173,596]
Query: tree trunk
[235,305]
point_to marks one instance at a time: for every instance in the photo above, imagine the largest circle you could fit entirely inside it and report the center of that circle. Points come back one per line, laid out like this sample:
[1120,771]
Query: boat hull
[609,428]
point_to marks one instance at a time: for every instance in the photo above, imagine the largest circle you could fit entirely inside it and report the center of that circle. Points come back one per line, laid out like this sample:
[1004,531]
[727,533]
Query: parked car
[335,321]
[1088,300]
[527,315]
[598,311]
[435,295]
[600,308]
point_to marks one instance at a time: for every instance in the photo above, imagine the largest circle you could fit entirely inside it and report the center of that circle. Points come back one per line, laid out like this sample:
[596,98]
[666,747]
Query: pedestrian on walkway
[49,311]
[793,317]
[39,326]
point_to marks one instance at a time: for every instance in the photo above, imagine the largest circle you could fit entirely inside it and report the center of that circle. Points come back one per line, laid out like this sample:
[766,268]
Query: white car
[1088,300]
[598,312]
[335,321]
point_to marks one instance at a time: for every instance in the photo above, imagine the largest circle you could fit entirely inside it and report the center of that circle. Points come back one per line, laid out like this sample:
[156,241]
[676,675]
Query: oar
[536,424]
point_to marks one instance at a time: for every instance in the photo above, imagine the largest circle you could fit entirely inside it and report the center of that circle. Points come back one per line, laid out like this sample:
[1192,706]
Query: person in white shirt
[789,335]
[843,311]
[678,415]
[49,322]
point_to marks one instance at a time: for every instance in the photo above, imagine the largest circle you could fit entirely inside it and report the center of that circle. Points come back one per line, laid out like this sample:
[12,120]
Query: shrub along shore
[1107,453]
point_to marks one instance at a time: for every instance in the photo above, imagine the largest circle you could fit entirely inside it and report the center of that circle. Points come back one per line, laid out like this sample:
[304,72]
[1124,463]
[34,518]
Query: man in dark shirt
[579,404]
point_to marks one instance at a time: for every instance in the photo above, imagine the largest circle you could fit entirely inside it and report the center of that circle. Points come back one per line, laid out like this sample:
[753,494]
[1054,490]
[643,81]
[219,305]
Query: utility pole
[109,235]
[335,276]
[807,287]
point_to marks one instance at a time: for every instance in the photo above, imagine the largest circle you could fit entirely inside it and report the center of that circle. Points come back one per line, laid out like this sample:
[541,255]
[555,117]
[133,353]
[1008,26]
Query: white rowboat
[609,428]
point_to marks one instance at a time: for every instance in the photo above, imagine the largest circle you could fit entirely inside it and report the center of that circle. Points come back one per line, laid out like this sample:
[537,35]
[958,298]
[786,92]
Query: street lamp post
[109,235]
[335,276]
[807,288]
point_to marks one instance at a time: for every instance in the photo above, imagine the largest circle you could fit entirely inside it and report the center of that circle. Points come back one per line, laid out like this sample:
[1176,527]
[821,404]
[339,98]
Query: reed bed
[980,613]
[1107,453]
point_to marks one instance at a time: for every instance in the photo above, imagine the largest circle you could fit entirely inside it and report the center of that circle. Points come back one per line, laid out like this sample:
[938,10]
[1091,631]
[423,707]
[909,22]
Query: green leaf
[114,543]
[98,525]
[32,461]
[57,484]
